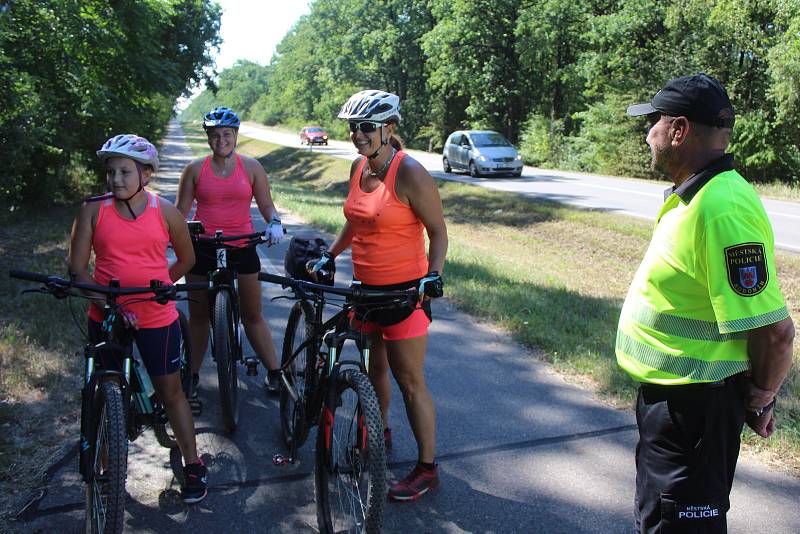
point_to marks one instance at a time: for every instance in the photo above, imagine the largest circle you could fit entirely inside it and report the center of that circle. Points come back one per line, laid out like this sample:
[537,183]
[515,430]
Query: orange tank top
[224,203]
[388,244]
[134,252]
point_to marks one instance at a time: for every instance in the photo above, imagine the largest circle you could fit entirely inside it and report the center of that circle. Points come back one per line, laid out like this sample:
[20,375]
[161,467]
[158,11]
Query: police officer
[704,327]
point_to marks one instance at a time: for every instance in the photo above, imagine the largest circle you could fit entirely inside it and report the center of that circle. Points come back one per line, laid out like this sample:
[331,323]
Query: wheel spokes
[99,498]
[347,466]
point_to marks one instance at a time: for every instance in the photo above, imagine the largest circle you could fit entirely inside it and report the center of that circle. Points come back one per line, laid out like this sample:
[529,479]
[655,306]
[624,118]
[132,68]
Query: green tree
[76,71]
[472,54]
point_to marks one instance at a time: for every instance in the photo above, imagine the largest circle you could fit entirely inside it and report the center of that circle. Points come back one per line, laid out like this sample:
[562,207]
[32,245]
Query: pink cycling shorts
[414,325]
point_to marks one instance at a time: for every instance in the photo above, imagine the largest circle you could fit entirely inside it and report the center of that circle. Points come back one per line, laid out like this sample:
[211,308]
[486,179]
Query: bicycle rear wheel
[186,354]
[300,373]
[225,356]
[161,428]
[105,491]
[350,460]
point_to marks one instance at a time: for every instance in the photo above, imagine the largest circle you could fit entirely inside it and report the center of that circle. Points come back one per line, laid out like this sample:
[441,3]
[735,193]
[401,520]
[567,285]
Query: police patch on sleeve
[747,268]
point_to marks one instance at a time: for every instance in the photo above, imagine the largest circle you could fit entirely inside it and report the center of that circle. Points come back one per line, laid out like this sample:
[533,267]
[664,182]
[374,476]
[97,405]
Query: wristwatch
[761,411]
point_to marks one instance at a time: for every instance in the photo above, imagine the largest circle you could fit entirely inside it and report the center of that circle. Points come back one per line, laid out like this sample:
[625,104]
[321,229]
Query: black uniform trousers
[689,439]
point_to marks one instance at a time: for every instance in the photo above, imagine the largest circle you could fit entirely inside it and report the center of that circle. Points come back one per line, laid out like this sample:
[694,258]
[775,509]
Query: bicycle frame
[120,343]
[330,335]
[225,279]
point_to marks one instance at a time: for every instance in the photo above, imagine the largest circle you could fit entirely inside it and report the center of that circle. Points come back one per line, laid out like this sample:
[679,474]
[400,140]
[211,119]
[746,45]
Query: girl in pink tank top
[223,185]
[128,230]
[223,203]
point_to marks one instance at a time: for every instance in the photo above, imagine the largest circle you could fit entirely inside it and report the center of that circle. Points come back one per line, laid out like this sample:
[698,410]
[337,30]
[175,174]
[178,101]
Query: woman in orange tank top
[224,184]
[128,230]
[392,199]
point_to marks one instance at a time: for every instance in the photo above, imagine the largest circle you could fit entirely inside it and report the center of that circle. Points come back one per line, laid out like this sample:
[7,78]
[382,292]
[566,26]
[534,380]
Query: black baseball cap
[699,98]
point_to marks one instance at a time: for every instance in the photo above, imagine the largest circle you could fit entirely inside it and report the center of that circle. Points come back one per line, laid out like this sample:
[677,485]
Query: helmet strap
[141,186]
[384,142]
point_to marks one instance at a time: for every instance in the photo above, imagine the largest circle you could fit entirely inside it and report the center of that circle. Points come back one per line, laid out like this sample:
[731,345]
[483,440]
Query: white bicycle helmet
[372,105]
[130,146]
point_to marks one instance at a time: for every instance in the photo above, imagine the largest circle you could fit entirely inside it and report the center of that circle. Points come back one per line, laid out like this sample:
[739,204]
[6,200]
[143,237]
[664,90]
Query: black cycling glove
[432,285]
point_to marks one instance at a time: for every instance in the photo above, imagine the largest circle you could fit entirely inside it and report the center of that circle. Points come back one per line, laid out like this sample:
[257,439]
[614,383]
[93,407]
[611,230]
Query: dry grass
[39,372]
[553,276]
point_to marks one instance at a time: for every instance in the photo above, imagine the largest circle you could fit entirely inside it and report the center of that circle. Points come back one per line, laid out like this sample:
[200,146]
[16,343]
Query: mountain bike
[320,388]
[226,324]
[116,404]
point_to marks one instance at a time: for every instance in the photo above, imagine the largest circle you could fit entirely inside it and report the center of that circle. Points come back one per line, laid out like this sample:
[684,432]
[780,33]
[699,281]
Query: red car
[313,135]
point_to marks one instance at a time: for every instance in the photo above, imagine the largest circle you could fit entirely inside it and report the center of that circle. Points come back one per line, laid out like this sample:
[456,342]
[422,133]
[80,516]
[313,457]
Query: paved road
[630,197]
[521,450]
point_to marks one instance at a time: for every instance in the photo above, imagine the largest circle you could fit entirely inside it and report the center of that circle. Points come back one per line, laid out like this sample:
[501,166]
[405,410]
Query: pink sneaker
[419,482]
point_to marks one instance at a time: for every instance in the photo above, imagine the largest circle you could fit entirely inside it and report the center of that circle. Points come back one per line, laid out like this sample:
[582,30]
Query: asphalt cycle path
[637,198]
[521,450]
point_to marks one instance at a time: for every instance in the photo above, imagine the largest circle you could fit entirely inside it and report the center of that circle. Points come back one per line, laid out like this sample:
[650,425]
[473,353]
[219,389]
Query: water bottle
[143,397]
[144,380]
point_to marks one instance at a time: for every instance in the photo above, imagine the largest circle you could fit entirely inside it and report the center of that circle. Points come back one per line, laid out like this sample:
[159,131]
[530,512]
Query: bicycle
[116,404]
[226,325]
[319,388]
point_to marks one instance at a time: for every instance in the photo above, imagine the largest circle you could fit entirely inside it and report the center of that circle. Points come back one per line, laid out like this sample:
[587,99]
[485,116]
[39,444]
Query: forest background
[554,77]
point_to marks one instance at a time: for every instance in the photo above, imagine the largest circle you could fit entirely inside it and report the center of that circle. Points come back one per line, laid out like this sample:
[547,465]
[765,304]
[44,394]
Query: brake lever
[37,290]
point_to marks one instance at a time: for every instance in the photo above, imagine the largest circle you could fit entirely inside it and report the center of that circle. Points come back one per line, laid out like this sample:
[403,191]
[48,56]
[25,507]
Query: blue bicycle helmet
[221,117]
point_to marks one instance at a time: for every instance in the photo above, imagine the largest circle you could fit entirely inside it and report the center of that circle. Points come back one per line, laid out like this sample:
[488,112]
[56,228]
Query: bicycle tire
[105,492]
[163,430]
[301,375]
[349,481]
[226,360]
[186,353]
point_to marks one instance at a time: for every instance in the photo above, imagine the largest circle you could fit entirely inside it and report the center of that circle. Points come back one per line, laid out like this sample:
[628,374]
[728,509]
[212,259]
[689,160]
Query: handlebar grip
[36,277]
[275,279]
[194,286]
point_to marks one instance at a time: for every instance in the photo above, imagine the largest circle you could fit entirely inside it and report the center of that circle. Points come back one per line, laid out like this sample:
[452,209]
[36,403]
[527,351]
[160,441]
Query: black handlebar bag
[303,247]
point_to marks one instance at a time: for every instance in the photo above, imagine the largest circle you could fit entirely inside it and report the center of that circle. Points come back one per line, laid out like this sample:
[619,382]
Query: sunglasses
[365,126]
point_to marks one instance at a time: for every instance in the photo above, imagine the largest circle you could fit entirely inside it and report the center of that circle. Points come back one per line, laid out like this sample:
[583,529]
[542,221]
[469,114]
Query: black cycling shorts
[390,316]
[159,348]
[242,260]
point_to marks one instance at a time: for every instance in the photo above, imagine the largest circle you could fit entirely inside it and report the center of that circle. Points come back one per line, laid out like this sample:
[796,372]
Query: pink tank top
[224,203]
[388,246]
[134,252]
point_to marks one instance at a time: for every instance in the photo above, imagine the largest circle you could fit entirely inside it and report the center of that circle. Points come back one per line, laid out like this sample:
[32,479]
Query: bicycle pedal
[280,460]
[196,406]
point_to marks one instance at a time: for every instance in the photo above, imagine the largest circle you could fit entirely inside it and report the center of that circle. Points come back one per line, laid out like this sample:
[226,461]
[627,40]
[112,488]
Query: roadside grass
[779,191]
[553,276]
[39,368]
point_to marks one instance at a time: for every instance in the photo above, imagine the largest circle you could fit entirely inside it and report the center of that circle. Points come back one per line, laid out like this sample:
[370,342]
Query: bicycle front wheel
[225,356]
[350,460]
[105,491]
[300,373]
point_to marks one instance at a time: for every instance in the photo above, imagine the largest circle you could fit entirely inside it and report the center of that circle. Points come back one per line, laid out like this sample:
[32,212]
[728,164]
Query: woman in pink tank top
[392,199]
[224,184]
[129,230]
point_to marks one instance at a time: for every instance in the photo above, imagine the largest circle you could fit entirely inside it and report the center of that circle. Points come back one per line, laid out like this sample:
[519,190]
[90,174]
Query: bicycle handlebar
[156,286]
[220,240]
[355,292]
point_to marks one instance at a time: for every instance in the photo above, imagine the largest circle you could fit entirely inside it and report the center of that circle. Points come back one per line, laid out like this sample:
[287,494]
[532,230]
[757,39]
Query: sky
[251,29]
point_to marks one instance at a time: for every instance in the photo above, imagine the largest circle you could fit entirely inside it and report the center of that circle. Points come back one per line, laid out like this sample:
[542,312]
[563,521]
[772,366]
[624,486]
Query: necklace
[385,165]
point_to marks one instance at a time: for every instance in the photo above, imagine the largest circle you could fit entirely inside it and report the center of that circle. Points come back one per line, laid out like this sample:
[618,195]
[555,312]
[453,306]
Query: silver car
[481,152]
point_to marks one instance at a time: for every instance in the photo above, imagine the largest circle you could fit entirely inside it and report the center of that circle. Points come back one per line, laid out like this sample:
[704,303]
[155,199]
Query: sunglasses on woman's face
[365,126]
